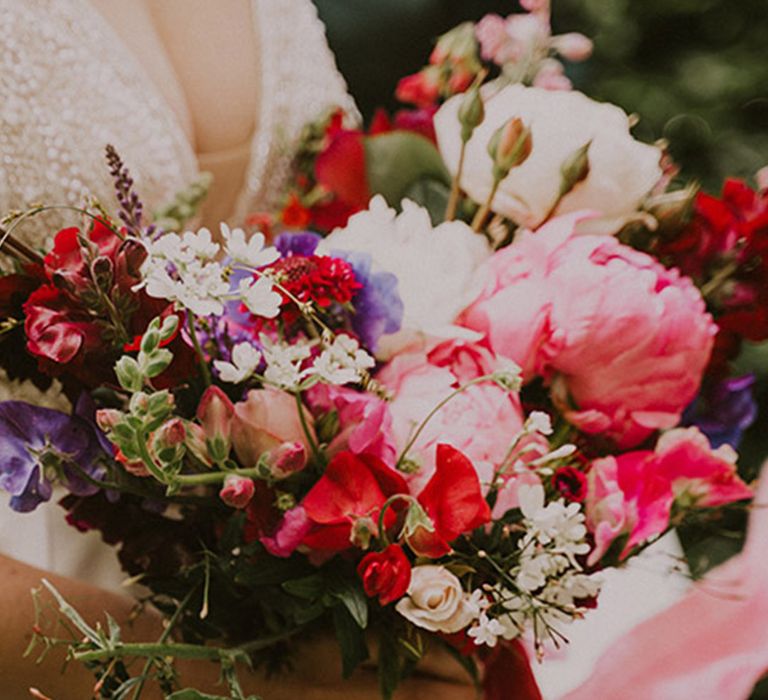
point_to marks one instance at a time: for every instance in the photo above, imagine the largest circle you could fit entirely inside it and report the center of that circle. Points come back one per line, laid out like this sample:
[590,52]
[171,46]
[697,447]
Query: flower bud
[286,459]
[573,46]
[574,169]
[237,491]
[471,112]
[455,45]
[196,444]
[134,467]
[108,418]
[363,529]
[215,415]
[509,147]
[167,442]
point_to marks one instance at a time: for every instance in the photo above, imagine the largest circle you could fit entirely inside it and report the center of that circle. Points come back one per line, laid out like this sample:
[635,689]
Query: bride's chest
[203,59]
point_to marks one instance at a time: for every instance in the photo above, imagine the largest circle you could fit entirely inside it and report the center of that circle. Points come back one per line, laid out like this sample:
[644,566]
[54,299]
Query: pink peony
[480,422]
[633,493]
[365,424]
[268,422]
[617,335]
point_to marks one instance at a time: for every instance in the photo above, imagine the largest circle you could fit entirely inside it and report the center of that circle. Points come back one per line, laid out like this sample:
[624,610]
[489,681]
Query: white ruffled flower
[343,362]
[245,360]
[434,266]
[622,170]
[436,602]
[487,630]
[250,251]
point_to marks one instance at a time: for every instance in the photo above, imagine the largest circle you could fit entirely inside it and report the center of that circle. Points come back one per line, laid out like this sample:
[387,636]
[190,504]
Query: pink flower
[215,415]
[633,493]
[289,533]
[268,423]
[616,334]
[711,645]
[479,422]
[237,491]
[365,423]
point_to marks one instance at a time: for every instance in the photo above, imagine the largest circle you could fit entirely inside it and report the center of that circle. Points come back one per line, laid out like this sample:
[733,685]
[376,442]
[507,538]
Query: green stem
[319,456]
[214,477]
[34,211]
[453,200]
[204,369]
[387,504]
[482,214]
[433,412]
[150,463]
[720,278]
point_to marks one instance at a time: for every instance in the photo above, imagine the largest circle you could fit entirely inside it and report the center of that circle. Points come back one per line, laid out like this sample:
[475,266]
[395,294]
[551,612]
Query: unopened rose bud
[573,46]
[457,44]
[108,418]
[286,459]
[471,112]
[574,169]
[509,147]
[237,491]
[215,415]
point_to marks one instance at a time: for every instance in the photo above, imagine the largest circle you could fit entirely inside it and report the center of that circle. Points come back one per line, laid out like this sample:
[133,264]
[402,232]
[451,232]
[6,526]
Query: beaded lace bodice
[69,86]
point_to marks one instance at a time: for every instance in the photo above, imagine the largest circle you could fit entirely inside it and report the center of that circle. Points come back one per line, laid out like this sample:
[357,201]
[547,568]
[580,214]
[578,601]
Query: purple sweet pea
[297,243]
[38,444]
[724,411]
[378,307]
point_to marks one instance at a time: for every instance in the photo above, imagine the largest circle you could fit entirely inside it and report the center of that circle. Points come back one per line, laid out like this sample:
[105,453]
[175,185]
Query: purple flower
[39,445]
[378,307]
[723,411]
[297,243]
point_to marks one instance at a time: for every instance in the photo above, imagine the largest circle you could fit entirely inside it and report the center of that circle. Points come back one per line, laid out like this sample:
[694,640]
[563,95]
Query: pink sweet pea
[712,645]
[480,421]
[616,334]
[633,493]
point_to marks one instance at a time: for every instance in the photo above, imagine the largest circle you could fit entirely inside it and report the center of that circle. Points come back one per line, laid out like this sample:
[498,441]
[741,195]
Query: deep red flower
[421,89]
[454,502]
[352,487]
[295,214]
[386,574]
[570,483]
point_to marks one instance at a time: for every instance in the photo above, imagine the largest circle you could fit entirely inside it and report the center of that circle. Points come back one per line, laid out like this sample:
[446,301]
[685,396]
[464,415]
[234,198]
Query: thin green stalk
[453,200]
[214,477]
[204,369]
[482,214]
[319,456]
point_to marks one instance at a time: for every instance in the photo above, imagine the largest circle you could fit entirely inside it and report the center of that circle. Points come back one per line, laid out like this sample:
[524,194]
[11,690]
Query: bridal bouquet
[480,355]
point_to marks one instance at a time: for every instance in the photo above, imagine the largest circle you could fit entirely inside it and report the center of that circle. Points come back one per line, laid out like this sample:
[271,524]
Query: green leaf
[398,159]
[309,587]
[354,600]
[351,640]
[389,665]
[432,195]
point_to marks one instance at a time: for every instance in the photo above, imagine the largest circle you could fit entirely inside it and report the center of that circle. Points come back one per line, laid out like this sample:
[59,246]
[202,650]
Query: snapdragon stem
[453,200]
[204,369]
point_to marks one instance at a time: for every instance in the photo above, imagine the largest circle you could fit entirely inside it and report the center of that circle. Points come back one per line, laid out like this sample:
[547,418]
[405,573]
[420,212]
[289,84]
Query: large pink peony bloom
[480,422]
[633,493]
[711,645]
[616,334]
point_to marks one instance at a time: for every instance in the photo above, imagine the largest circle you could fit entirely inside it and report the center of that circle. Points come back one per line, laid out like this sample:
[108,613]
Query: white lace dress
[68,87]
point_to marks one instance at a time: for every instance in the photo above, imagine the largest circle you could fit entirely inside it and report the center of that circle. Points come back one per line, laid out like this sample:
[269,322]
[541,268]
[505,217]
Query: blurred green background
[696,71]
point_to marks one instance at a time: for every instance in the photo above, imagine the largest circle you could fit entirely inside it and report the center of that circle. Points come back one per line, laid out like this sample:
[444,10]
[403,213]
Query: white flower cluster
[343,361]
[186,269]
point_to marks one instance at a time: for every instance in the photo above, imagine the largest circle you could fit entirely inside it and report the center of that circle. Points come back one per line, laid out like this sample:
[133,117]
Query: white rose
[434,266]
[622,170]
[436,601]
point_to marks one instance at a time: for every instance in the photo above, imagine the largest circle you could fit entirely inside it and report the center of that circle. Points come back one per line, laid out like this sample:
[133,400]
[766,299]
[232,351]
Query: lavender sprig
[131,207]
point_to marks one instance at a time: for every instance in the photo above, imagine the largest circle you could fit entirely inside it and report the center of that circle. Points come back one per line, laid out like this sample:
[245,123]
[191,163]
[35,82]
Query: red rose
[386,574]
[352,487]
[570,483]
[453,501]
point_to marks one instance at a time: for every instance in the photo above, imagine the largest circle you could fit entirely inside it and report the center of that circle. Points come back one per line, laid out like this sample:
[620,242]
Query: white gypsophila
[486,630]
[248,251]
[434,266]
[436,602]
[343,362]
[245,360]
[557,524]
[183,269]
[260,297]
[622,170]
[539,422]
[284,363]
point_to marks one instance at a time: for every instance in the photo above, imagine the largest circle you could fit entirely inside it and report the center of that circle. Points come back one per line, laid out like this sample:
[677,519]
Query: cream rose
[436,601]
[622,170]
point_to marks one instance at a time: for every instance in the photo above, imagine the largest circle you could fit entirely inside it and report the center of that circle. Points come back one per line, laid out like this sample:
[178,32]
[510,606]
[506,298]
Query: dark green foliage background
[696,71]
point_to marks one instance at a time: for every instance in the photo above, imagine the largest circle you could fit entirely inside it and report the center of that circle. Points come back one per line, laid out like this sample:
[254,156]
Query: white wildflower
[284,363]
[343,362]
[486,630]
[245,360]
[249,251]
[260,297]
[539,422]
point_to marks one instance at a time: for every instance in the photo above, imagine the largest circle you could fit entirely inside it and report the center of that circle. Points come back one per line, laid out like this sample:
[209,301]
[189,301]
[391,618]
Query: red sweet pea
[352,487]
[453,501]
[386,574]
